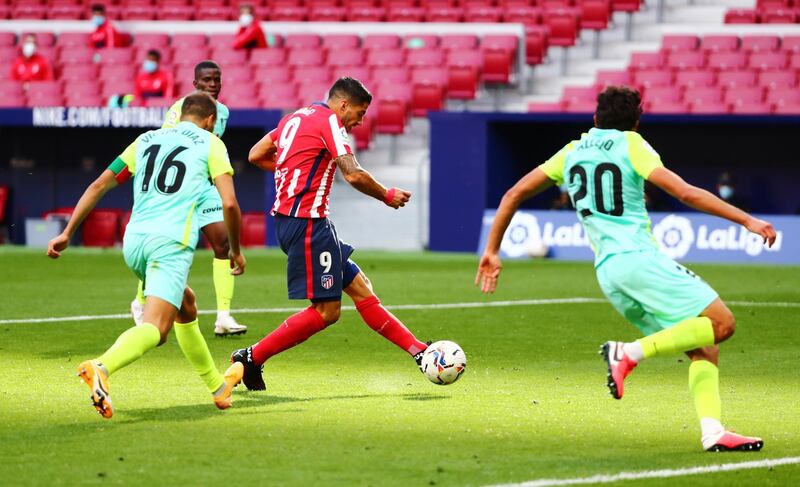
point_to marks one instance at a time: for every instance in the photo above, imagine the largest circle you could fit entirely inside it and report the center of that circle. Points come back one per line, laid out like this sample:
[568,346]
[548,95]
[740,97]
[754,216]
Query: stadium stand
[748,74]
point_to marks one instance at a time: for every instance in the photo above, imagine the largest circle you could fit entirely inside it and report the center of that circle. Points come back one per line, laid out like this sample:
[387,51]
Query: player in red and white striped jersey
[304,151]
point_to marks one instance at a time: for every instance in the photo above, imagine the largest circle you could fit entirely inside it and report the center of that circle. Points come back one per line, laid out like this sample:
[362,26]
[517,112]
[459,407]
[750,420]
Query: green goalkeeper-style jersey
[170,169]
[174,117]
[605,172]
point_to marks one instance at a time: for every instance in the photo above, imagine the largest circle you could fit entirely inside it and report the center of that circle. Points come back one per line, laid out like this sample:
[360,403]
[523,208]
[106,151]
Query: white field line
[657,474]
[466,305]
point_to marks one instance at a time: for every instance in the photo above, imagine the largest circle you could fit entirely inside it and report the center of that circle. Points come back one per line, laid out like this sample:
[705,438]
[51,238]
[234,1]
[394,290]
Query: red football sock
[294,331]
[381,320]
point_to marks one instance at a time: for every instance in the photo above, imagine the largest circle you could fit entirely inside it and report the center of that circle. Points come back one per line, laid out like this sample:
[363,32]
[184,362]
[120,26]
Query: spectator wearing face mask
[152,81]
[30,65]
[250,34]
[105,34]
[726,189]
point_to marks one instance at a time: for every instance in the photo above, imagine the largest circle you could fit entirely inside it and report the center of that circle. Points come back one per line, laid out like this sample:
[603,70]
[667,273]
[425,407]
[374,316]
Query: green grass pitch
[348,408]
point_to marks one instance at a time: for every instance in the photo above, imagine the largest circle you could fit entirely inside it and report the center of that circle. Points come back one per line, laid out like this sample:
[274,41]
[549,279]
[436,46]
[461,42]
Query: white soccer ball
[443,362]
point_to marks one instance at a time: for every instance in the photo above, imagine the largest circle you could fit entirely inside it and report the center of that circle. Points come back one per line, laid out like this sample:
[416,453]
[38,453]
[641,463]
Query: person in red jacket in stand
[250,34]
[105,34]
[29,65]
[152,81]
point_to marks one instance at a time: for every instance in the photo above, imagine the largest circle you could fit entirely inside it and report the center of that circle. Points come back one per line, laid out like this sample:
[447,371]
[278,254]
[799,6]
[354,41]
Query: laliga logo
[523,237]
[675,235]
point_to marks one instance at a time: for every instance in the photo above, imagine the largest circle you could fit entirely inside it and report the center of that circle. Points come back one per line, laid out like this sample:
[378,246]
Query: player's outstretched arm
[490,264]
[705,201]
[233,221]
[262,155]
[362,180]
[94,193]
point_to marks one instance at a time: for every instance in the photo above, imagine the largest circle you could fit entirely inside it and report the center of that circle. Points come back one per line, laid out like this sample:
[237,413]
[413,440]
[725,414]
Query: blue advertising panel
[687,237]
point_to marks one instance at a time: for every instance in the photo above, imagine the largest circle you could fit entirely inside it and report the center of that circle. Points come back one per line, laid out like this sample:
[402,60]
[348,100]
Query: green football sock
[704,386]
[223,283]
[140,292]
[131,345]
[686,335]
[195,349]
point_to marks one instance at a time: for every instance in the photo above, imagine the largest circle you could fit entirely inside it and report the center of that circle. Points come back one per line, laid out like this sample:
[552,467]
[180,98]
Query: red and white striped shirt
[308,142]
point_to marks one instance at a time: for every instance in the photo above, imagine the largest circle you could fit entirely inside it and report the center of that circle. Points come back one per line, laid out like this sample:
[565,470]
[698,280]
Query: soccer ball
[443,362]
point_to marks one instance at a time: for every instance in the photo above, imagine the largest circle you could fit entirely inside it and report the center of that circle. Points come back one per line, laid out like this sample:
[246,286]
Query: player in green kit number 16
[170,169]
[677,311]
[207,79]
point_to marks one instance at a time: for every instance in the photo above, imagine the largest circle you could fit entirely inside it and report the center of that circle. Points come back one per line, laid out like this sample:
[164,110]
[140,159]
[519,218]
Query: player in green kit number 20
[677,311]
[170,169]
[207,79]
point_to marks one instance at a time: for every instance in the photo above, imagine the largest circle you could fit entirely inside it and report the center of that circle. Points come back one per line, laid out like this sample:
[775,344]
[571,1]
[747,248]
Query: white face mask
[246,19]
[28,49]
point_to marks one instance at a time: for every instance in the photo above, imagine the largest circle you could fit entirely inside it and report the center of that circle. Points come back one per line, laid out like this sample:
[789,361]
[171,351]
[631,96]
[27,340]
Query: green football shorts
[161,263]
[653,291]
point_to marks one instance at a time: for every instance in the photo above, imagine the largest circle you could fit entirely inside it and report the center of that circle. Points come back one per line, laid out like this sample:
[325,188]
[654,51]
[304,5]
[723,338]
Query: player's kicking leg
[698,338]
[379,318]
[217,235]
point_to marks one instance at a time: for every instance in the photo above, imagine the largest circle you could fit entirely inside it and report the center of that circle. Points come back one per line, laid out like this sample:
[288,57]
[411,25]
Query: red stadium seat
[420,41]
[424,58]
[289,14]
[7,56]
[740,96]
[646,60]
[522,15]
[269,56]
[787,109]
[741,16]
[241,101]
[139,12]
[159,102]
[719,43]
[760,43]
[227,56]
[626,5]
[14,100]
[702,95]
[312,74]
[710,108]
[361,73]
[535,44]
[115,87]
[463,82]
[563,25]
[273,75]
[215,12]
[78,99]
[147,40]
[777,79]
[238,74]
[306,57]
[498,65]
[175,12]
[459,42]
[288,90]
[385,58]
[736,79]
[327,14]
[346,57]
[751,108]
[790,44]
[580,107]
[313,92]
[500,42]
[483,14]
[692,79]
[66,12]
[280,102]
[652,77]
[38,99]
[392,91]
[78,72]
[44,88]
[682,43]
[595,14]
[667,108]
[341,41]
[390,117]
[783,96]
[76,55]
[86,87]
[100,228]
[726,61]
[186,42]
[72,39]
[544,107]
[302,41]
[381,41]
[11,88]
[612,78]
[254,229]
[794,61]
[576,94]
[140,53]
[117,56]
[394,74]
[8,39]
[29,12]
[366,14]
[778,16]
[767,61]
[662,95]
[442,14]
[686,60]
